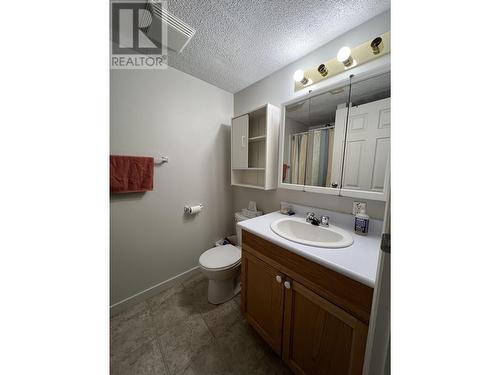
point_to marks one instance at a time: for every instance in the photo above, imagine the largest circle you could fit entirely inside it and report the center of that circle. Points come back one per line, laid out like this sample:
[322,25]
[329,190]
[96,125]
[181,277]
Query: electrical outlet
[357,207]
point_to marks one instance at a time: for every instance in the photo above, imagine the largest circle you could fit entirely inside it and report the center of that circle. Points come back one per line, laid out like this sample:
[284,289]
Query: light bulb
[344,56]
[298,76]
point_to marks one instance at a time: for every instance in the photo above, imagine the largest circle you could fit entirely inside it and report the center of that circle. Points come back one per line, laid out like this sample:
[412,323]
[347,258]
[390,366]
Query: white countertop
[358,261]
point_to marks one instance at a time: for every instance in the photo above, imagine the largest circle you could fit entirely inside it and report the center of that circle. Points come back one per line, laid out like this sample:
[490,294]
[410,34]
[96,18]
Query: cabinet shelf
[259,138]
[249,169]
[249,186]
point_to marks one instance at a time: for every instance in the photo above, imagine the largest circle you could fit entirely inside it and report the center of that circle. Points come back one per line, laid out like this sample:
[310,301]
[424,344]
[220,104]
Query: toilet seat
[220,257]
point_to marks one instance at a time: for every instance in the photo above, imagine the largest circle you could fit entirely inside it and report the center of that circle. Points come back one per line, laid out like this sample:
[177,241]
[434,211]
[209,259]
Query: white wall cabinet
[254,148]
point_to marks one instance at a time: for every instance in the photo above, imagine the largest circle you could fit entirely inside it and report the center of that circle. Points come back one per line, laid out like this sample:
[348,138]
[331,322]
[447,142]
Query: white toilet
[221,265]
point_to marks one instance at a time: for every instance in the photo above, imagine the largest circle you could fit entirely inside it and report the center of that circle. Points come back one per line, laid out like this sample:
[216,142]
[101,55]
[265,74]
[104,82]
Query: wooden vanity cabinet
[314,318]
[264,300]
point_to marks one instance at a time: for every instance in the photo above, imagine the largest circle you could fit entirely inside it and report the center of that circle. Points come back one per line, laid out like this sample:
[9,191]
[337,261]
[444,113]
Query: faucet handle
[310,216]
[325,221]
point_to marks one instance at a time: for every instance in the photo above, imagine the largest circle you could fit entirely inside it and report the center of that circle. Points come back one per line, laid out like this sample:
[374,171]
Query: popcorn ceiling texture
[239,42]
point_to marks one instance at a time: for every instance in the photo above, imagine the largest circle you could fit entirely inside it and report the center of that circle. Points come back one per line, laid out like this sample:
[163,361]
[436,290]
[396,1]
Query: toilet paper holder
[193,210]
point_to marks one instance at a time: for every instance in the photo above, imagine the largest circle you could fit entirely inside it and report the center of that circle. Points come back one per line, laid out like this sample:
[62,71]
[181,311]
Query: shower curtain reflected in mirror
[313,133]
[320,157]
[312,157]
[298,158]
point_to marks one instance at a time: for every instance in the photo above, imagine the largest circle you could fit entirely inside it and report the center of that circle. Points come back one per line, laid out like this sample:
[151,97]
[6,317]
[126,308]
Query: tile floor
[179,332]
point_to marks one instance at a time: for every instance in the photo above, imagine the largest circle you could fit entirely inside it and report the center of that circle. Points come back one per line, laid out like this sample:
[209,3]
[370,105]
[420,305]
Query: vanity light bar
[347,58]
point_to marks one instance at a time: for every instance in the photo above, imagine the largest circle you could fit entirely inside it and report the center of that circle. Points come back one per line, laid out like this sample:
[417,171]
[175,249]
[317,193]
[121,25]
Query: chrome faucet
[324,220]
[311,218]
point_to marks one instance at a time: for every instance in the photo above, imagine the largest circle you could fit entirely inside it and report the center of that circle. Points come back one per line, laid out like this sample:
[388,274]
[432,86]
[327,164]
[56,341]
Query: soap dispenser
[361,221]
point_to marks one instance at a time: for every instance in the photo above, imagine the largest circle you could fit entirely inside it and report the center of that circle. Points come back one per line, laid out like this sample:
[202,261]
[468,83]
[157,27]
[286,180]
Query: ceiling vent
[178,33]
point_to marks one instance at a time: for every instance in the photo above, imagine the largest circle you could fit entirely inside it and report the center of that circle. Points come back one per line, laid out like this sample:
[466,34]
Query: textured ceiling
[239,42]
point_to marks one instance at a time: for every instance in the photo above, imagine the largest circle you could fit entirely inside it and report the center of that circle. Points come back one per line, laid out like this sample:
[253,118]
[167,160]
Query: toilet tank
[238,216]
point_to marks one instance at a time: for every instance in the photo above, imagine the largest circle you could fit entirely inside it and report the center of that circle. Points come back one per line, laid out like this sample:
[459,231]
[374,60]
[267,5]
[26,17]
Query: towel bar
[161,160]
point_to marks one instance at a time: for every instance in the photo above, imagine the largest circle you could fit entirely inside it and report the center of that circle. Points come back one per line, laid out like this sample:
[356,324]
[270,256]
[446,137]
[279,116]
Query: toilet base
[220,291]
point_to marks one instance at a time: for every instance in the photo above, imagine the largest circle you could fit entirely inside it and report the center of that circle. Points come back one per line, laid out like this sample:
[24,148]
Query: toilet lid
[220,257]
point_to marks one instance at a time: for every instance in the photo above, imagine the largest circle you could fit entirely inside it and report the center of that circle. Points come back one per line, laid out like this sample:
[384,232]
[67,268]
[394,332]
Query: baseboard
[155,289]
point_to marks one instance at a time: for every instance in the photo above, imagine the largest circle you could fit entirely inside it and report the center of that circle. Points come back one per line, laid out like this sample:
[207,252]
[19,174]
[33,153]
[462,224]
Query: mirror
[330,147]
[367,143]
[312,144]
[295,143]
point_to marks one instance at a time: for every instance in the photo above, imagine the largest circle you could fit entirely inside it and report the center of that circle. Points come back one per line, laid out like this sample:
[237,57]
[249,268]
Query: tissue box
[251,214]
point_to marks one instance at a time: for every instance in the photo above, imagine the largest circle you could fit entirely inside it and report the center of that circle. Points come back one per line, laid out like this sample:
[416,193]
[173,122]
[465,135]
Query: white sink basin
[298,230]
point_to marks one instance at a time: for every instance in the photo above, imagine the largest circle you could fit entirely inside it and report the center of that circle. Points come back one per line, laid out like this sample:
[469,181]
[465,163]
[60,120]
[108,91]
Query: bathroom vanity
[311,305]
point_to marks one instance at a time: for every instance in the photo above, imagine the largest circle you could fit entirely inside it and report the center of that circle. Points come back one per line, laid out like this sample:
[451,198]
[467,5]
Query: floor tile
[179,332]
[194,279]
[243,348]
[197,290]
[160,300]
[184,342]
[272,364]
[146,360]
[130,330]
[217,360]
[222,317]
[214,360]
[171,308]
[237,299]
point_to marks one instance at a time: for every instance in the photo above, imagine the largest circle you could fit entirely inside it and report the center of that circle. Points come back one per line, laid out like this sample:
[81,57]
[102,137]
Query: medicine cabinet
[254,148]
[337,140]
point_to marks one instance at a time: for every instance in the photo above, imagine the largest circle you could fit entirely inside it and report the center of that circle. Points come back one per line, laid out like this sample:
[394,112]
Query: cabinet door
[239,142]
[262,299]
[368,145]
[319,337]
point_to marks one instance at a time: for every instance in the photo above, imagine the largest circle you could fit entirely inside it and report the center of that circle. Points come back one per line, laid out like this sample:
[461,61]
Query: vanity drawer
[351,295]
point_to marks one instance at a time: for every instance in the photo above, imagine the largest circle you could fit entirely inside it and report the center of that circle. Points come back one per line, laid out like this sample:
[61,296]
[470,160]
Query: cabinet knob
[287,284]
[278,279]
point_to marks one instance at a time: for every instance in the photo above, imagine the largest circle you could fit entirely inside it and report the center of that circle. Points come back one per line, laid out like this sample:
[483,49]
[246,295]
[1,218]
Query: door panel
[319,337]
[239,142]
[382,148]
[385,118]
[354,157]
[263,298]
[358,123]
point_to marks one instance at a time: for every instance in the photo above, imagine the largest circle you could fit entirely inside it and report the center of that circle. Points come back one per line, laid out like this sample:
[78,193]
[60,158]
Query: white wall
[170,113]
[279,88]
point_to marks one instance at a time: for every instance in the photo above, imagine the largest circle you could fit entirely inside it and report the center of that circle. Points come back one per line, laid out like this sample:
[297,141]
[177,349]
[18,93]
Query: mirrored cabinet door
[313,135]
[367,142]
[295,143]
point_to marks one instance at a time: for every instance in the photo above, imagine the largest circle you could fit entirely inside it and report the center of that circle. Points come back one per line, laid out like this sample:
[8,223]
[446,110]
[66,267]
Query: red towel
[130,174]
